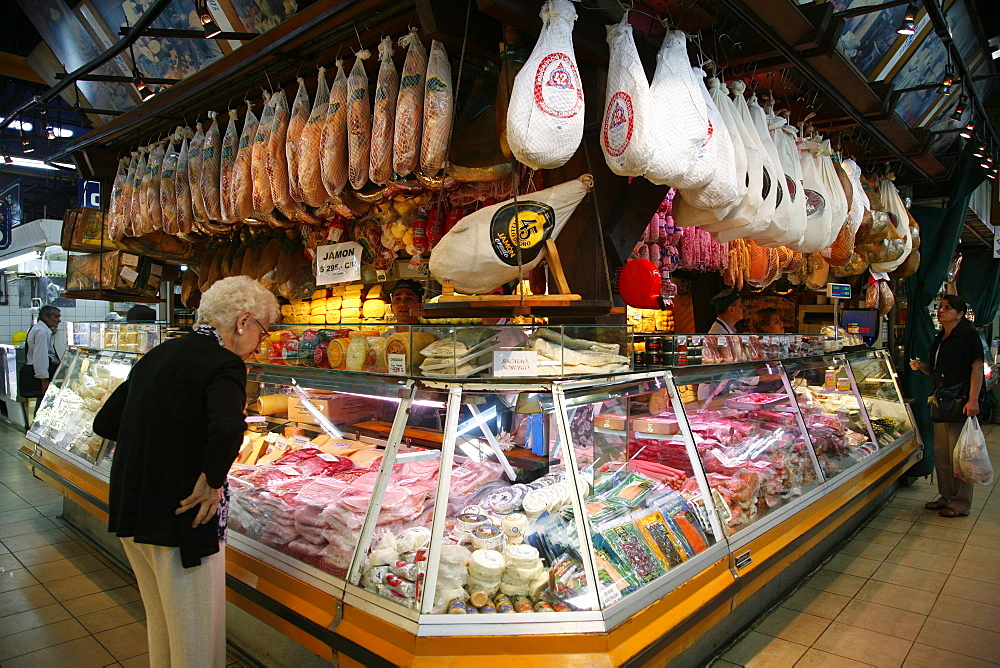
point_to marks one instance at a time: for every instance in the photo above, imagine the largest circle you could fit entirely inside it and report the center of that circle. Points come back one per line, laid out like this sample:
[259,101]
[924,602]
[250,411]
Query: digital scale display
[838,290]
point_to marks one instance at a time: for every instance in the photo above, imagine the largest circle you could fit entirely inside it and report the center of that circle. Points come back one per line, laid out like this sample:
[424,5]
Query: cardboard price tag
[338,263]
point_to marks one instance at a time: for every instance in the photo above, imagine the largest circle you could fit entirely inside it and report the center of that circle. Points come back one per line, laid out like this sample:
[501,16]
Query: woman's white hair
[223,303]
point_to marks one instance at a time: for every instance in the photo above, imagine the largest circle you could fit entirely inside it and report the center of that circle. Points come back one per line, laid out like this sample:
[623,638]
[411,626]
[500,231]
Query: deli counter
[616,518]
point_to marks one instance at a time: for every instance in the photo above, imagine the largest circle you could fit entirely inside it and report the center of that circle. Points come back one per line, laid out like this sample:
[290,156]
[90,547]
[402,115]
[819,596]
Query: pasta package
[545,113]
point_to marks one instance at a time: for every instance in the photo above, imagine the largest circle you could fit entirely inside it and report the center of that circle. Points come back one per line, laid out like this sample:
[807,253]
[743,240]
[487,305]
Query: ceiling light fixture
[7,159]
[956,116]
[908,25]
[50,133]
[211,28]
[981,151]
[967,131]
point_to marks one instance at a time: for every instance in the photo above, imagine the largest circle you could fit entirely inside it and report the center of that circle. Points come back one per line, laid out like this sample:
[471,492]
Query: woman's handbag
[946,403]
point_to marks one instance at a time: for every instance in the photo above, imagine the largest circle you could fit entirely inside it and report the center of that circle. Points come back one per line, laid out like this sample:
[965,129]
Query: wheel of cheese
[336,353]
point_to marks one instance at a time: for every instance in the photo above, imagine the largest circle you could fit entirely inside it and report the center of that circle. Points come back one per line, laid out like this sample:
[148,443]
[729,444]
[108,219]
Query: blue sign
[89,193]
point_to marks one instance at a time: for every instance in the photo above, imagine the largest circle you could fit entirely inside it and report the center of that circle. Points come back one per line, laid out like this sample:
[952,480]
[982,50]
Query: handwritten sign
[515,363]
[338,263]
[397,363]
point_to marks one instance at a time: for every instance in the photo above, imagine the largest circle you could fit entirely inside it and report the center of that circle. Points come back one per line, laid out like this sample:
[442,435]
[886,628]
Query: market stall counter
[614,518]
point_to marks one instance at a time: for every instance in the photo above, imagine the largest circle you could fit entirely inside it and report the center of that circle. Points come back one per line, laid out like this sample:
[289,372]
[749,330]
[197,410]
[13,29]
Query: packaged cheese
[375,358]
[400,344]
[337,353]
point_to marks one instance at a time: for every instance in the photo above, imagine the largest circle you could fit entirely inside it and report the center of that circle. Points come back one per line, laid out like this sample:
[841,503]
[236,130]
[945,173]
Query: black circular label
[529,229]
[765,191]
[815,203]
[790,185]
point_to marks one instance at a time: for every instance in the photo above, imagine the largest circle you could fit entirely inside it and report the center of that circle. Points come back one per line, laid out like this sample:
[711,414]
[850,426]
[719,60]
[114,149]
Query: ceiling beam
[192,34]
[17,67]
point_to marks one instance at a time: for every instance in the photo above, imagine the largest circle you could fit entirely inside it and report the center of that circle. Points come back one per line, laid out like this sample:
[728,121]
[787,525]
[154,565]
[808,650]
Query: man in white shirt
[729,311]
[41,351]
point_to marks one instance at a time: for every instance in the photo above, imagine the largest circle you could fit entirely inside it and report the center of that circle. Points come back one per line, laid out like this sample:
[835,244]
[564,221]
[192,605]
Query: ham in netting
[409,106]
[182,187]
[263,203]
[480,253]
[359,122]
[116,225]
[242,192]
[296,123]
[310,146]
[624,130]
[138,193]
[384,116]
[545,113]
[168,189]
[128,193]
[154,215]
[439,111]
[195,161]
[277,164]
[333,165]
[210,162]
[227,170]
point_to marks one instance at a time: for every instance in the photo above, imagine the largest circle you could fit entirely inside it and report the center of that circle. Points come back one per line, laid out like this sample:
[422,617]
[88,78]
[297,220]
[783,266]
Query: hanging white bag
[545,113]
[893,203]
[781,231]
[818,210]
[754,213]
[624,131]
[722,191]
[970,459]
[480,252]
[679,118]
[783,135]
[838,198]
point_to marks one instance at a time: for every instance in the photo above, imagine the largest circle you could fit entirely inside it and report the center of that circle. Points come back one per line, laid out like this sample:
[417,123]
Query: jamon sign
[338,263]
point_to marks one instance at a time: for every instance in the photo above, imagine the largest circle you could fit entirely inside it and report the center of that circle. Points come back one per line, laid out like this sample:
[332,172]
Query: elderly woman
[178,422]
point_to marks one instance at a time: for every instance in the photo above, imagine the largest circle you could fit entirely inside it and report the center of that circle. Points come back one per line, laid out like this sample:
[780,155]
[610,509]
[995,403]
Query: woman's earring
[240,331]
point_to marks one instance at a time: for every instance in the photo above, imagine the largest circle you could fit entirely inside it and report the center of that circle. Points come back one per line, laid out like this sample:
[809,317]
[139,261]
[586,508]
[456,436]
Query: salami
[182,187]
[227,171]
[545,114]
[333,165]
[168,189]
[624,130]
[439,103]
[242,189]
[210,161]
[409,106]
[310,146]
[359,119]
[195,161]
[384,118]
[679,117]
[296,123]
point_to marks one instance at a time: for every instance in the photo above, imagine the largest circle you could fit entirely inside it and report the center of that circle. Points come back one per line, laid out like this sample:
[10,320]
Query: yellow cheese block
[296,301]
[287,310]
[349,314]
[318,319]
[319,294]
[351,303]
[333,303]
[373,308]
[333,317]
[319,306]
[337,290]
[375,291]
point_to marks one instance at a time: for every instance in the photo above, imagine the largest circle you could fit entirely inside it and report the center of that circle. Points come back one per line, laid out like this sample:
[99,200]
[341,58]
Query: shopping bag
[970,460]
[28,386]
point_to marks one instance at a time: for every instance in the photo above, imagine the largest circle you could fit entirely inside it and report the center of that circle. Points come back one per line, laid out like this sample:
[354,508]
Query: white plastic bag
[783,136]
[970,460]
[624,131]
[818,211]
[782,230]
[679,117]
[545,113]
[722,190]
[893,204]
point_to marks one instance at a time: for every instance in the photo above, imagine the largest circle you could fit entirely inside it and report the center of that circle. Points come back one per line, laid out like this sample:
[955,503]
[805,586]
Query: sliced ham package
[624,130]
[679,118]
[723,190]
[479,254]
[545,114]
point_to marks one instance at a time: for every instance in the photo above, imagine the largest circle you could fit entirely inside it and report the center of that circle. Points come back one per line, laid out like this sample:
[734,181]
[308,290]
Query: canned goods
[543,606]
[503,604]
[457,607]
[487,609]
[522,604]
[641,359]
[479,598]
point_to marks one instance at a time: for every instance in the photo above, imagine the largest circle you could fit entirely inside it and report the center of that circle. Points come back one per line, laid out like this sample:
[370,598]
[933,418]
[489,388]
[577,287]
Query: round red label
[619,123]
[558,91]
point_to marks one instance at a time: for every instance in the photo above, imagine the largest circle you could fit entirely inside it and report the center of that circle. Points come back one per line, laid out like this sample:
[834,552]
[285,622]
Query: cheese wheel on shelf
[357,353]
[373,308]
[374,292]
[351,303]
[272,404]
[337,353]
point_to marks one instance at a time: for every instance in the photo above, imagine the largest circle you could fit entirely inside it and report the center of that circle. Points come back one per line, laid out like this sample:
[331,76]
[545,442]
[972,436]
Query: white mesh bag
[818,210]
[624,131]
[781,230]
[788,158]
[545,113]
[679,118]
[893,204]
[722,191]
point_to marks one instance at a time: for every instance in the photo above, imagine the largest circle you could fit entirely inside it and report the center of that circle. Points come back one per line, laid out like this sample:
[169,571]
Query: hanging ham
[545,114]
[359,122]
[783,229]
[310,146]
[195,160]
[227,169]
[333,165]
[277,164]
[384,116]
[893,204]
[182,187]
[624,129]
[116,209]
[138,208]
[783,136]
[242,189]
[168,188]
[439,103]
[723,190]
[210,162]
[296,123]
[409,106]
[263,203]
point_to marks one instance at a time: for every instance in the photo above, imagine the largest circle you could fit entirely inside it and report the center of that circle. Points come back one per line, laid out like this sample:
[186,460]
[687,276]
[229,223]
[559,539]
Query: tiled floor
[61,602]
[910,589]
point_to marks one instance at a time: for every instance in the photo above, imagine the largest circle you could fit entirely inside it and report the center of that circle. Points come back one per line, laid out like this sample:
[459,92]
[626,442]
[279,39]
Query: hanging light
[981,151]
[966,132]
[984,164]
[908,25]
[50,133]
[207,23]
[949,76]
[7,159]
[956,116]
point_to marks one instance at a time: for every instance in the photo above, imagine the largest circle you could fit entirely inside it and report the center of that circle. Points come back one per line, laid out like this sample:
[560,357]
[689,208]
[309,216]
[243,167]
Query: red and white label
[619,124]
[558,90]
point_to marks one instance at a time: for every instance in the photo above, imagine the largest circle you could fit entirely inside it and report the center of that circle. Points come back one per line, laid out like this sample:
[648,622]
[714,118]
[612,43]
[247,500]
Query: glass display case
[424,499]
[127,337]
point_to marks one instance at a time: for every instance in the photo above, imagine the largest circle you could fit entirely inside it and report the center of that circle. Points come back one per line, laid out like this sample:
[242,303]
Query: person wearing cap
[404,298]
[729,311]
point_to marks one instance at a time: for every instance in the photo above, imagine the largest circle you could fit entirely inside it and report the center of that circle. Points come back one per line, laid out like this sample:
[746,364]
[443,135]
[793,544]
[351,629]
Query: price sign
[338,263]
[515,363]
[397,363]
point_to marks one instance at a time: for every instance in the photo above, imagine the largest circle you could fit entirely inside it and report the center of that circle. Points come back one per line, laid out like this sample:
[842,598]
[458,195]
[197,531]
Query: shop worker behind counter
[406,296]
[178,423]
[729,311]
